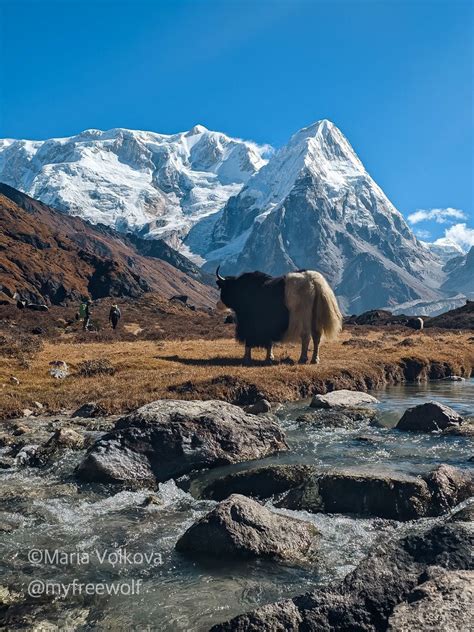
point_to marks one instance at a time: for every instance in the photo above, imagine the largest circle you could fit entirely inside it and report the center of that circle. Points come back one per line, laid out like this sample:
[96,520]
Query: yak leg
[316,340]
[304,349]
[247,355]
[270,357]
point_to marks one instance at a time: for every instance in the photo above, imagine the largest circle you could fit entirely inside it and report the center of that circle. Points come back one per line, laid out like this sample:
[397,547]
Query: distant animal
[415,323]
[293,307]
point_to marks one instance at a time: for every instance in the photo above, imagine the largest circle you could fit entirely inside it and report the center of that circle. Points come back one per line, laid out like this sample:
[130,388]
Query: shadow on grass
[220,361]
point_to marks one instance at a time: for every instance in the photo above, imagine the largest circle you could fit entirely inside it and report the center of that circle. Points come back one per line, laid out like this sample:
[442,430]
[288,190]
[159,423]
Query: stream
[47,511]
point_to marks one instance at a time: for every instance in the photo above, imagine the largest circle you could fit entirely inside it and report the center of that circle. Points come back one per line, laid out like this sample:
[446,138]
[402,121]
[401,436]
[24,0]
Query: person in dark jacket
[114,316]
[85,314]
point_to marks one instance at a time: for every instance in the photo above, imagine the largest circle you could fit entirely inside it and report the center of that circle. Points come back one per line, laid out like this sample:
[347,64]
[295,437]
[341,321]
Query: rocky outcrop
[382,493]
[373,596]
[429,417]
[242,528]
[168,438]
[343,399]
[443,602]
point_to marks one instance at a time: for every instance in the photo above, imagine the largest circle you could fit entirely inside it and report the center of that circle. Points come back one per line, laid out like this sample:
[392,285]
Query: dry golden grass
[200,369]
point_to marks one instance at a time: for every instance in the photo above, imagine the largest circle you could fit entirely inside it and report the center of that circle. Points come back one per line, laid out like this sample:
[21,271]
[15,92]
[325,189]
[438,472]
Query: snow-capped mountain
[315,206]
[445,249]
[160,184]
[222,200]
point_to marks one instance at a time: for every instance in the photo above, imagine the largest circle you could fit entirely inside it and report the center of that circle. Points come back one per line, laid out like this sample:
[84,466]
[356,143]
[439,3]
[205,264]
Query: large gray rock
[343,399]
[169,438]
[382,493]
[259,482]
[429,417]
[443,602]
[368,598]
[243,528]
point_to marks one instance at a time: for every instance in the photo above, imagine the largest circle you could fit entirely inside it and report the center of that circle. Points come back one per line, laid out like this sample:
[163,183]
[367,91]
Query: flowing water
[45,510]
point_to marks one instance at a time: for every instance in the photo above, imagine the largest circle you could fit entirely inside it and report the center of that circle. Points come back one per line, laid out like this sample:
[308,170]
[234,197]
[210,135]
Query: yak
[293,307]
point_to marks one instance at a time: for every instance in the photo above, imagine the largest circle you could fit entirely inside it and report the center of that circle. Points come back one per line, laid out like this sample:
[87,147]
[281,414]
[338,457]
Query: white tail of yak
[327,316]
[313,310]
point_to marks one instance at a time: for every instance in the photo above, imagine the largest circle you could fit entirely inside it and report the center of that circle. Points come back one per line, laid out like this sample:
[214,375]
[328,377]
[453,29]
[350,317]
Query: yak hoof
[315,361]
[302,360]
[269,361]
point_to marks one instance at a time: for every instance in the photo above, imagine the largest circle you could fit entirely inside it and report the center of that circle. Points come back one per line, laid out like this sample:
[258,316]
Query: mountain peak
[197,129]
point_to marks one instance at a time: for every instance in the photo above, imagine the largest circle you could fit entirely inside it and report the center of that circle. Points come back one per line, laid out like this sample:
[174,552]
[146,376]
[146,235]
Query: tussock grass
[199,369]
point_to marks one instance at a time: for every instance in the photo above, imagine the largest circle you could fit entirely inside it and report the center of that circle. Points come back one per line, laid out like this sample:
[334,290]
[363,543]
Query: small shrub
[90,368]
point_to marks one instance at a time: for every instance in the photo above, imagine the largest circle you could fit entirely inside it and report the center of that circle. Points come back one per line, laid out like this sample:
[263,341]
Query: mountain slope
[460,271]
[49,256]
[161,184]
[315,206]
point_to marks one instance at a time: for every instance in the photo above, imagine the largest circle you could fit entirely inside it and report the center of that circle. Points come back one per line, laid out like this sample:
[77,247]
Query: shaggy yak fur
[293,307]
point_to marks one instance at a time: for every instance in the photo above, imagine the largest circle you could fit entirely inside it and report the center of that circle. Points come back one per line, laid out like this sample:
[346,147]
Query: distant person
[85,314]
[114,316]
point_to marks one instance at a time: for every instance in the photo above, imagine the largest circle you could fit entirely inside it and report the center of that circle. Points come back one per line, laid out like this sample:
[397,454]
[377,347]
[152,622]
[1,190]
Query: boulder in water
[429,417]
[259,482]
[243,528]
[383,493]
[169,438]
[343,399]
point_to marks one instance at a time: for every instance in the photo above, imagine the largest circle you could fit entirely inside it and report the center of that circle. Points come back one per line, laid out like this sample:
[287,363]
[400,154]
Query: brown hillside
[48,256]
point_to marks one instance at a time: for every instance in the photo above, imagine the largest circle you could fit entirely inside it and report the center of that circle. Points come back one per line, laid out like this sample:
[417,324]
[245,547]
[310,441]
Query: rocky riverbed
[204,512]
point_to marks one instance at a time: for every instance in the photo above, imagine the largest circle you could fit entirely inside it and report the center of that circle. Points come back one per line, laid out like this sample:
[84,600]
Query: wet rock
[20,429]
[169,438]
[350,418]
[243,528]
[89,411]
[454,378]
[382,493]
[27,456]
[260,482]
[466,429]
[429,417]
[464,515]
[260,407]
[443,602]
[65,438]
[367,599]
[343,398]
[449,486]
[26,412]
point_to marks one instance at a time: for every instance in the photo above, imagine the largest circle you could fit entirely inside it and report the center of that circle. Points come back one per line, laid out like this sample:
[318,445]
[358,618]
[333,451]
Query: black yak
[293,307]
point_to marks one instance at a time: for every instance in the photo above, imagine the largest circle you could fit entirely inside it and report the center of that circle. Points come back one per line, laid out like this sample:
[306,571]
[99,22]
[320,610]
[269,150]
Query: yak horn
[219,277]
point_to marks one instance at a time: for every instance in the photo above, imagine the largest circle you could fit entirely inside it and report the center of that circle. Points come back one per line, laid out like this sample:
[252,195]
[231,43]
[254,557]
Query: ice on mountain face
[315,206]
[158,184]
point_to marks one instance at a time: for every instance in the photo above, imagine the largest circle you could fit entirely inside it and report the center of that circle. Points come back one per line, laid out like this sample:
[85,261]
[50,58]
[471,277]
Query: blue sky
[395,76]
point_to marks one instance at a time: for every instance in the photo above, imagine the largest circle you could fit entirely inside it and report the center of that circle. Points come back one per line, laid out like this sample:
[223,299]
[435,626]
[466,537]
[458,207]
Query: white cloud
[459,234]
[439,215]
[423,234]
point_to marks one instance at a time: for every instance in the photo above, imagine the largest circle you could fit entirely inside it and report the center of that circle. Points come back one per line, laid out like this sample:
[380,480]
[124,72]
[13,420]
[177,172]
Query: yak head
[229,291]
